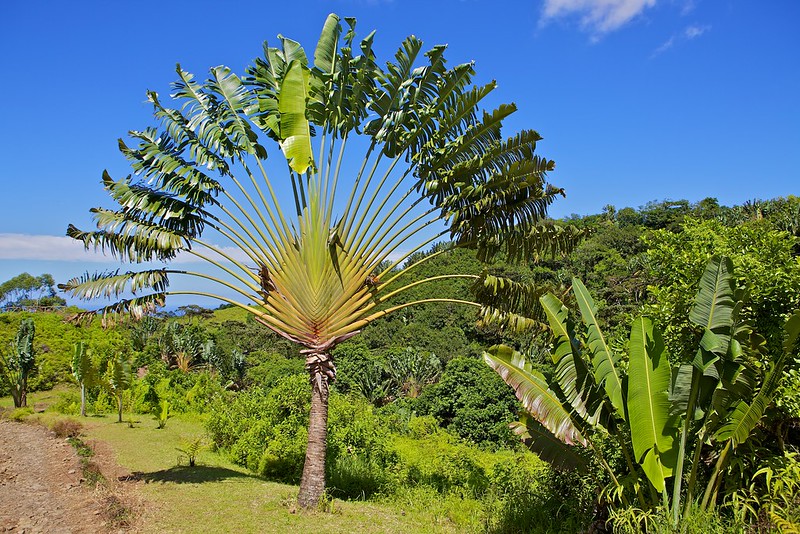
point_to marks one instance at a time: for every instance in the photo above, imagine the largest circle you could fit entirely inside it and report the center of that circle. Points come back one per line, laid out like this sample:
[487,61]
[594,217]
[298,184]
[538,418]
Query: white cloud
[695,31]
[597,16]
[62,248]
[665,46]
[688,34]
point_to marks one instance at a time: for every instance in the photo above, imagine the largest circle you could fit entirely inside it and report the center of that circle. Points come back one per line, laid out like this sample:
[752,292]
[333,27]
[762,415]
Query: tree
[658,414]
[27,290]
[19,363]
[433,166]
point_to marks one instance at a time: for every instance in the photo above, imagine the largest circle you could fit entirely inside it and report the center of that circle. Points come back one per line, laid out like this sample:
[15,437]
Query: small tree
[118,379]
[83,371]
[18,365]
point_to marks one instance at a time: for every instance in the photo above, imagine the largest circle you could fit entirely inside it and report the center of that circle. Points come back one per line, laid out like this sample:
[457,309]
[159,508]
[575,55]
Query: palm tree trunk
[119,406]
[312,484]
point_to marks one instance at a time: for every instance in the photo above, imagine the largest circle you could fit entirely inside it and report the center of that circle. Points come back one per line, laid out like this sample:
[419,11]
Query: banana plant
[83,370]
[118,378]
[19,363]
[369,165]
[656,411]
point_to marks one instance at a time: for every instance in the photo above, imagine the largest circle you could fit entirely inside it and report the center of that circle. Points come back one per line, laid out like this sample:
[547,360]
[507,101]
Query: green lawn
[218,496]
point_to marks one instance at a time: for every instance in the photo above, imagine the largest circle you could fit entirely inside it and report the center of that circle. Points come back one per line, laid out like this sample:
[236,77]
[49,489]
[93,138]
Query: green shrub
[526,495]
[472,401]
[266,431]
[192,392]
[266,369]
[20,414]
[285,453]
[422,426]
[232,416]
[355,476]
[68,403]
[397,415]
[359,448]
[442,463]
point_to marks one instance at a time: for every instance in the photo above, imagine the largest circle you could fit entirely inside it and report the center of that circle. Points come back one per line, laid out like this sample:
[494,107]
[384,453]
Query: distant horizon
[94,259]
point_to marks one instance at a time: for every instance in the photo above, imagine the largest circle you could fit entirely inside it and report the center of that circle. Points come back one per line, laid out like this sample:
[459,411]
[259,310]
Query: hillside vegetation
[419,422]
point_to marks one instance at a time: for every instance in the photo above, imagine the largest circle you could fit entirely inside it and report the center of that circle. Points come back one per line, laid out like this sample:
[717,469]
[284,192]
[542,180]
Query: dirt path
[40,488]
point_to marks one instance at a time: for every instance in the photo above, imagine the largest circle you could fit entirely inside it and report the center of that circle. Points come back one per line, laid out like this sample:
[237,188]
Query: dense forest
[416,412]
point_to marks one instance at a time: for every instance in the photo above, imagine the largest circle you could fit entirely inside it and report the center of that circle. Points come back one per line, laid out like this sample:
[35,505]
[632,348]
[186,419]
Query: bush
[67,428]
[266,431]
[68,403]
[527,495]
[266,370]
[186,392]
[442,463]
[359,451]
[472,402]
[422,426]
[20,414]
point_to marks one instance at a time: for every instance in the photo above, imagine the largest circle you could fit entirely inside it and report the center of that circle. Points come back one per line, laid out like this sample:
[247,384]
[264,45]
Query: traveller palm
[320,267]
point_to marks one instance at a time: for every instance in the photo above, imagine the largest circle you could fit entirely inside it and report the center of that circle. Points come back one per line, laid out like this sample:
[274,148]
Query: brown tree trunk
[23,394]
[312,484]
[119,406]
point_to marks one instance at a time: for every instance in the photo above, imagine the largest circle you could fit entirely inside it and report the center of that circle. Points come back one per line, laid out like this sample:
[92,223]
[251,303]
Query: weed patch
[67,428]
[91,472]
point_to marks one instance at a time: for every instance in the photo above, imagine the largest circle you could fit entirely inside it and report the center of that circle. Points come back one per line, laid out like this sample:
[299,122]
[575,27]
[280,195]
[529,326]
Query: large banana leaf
[533,392]
[744,417]
[652,433]
[546,445]
[572,376]
[295,130]
[714,304]
[604,361]
[82,363]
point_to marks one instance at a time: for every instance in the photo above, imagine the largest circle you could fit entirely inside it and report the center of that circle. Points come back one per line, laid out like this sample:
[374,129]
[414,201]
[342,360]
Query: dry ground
[40,485]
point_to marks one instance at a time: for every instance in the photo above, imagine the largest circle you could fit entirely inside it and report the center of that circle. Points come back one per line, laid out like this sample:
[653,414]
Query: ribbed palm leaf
[431,166]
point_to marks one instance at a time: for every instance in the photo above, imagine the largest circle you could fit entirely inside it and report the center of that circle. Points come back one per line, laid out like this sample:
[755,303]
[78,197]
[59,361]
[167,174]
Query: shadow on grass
[188,475]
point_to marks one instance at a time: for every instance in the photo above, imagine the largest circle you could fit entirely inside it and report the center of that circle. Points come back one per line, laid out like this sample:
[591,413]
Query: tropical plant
[162,414]
[83,371]
[190,448]
[309,269]
[18,364]
[471,402]
[118,378]
[659,414]
[410,370]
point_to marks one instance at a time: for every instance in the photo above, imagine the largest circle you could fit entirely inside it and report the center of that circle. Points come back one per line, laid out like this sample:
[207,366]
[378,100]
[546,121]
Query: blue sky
[637,100]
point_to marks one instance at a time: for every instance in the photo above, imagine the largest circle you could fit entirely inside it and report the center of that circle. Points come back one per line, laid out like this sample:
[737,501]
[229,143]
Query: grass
[219,496]
[223,497]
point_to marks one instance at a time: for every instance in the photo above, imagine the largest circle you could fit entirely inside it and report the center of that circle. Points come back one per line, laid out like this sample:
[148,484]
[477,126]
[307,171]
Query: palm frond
[113,283]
